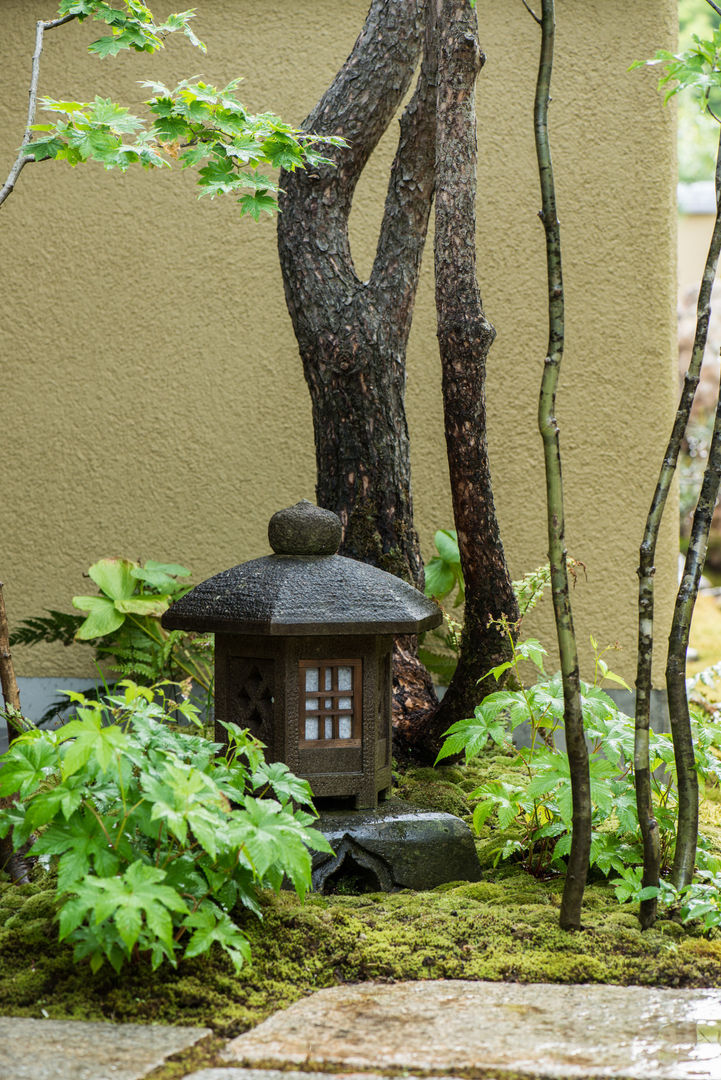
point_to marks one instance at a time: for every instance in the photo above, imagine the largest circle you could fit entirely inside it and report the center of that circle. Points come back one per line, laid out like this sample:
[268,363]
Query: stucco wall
[153,404]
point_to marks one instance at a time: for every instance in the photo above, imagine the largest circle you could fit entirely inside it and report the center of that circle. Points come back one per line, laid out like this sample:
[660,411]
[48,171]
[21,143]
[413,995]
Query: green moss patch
[504,927]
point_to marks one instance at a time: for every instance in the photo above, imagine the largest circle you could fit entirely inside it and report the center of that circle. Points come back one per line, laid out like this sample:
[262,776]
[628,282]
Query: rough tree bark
[465,336]
[577,871]
[646,571]
[353,334]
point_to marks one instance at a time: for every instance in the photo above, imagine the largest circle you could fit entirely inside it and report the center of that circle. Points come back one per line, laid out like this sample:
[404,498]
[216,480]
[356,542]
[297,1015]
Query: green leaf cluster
[534,817]
[697,69]
[159,837]
[699,901]
[194,123]
[122,622]
[132,25]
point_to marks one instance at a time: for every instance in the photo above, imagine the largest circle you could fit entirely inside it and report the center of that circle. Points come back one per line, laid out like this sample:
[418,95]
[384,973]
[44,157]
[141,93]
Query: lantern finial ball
[304,529]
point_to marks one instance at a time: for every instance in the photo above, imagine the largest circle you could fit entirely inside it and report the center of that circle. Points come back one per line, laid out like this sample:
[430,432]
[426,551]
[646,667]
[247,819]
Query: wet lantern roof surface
[305,587]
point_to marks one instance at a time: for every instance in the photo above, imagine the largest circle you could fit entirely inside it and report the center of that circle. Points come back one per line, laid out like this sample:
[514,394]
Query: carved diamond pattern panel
[251,695]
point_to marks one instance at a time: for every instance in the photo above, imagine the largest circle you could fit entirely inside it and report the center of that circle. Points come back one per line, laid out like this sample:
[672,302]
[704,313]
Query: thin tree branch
[532,12]
[8,682]
[570,918]
[684,860]
[710,3]
[646,568]
[23,159]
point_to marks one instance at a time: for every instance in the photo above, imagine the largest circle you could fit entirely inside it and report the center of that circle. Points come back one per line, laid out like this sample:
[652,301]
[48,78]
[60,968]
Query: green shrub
[157,834]
[532,809]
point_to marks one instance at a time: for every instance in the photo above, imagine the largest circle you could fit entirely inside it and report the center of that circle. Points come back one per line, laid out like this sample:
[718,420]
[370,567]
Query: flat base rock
[396,846]
[486,1029]
[82,1050]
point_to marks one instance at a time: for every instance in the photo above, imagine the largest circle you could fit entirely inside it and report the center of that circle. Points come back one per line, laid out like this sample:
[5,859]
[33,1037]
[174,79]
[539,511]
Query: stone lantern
[303,643]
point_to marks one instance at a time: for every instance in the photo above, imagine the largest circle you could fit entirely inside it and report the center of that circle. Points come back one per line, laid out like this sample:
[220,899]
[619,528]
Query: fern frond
[55,626]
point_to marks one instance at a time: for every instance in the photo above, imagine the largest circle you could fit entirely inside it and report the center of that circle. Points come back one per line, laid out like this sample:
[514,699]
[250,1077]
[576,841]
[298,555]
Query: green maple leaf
[120,119]
[26,764]
[211,925]
[257,203]
[90,739]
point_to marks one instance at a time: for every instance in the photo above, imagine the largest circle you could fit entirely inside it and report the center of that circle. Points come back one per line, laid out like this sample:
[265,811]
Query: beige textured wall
[153,403]
[694,236]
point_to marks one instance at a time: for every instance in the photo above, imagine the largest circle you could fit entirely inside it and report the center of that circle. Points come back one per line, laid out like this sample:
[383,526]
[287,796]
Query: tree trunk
[646,570]
[465,336]
[352,334]
[577,870]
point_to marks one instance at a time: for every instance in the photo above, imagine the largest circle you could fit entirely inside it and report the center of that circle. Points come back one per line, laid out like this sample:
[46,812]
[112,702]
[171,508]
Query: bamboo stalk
[570,917]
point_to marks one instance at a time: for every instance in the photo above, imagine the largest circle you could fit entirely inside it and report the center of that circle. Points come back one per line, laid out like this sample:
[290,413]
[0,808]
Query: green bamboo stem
[548,425]
[646,571]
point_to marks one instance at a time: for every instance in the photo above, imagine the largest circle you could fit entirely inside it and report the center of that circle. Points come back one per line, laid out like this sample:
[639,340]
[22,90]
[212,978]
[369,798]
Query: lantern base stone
[396,846]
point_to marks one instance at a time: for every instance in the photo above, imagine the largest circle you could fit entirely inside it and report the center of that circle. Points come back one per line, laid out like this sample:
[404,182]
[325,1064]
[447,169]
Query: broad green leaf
[103,619]
[143,605]
[439,578]
[446,541]
[114,577]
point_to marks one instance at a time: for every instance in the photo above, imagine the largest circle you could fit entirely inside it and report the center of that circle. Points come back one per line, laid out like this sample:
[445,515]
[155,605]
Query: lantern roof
[305,587]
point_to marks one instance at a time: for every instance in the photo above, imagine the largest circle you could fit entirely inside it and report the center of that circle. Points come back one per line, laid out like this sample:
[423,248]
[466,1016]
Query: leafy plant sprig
[192,123]
[534,815]
[697,68]
[440,649]
[133,25]
[157,841]
[122,622]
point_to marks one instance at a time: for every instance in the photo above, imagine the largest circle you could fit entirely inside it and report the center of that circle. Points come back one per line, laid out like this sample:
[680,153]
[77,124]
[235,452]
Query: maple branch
[23,159]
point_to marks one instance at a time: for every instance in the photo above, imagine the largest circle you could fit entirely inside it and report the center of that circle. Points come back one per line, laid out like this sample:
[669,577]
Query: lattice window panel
[330,702]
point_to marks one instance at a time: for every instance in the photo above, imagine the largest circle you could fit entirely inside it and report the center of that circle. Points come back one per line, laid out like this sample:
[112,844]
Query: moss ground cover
[504,927]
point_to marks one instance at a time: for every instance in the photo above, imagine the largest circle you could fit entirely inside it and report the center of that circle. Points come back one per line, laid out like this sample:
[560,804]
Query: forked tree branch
[24,159]
[530,11]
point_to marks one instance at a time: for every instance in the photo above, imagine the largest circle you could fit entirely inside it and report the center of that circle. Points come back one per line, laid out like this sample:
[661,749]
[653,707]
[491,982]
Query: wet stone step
[478,1027]
[84,1050]
[233,1073]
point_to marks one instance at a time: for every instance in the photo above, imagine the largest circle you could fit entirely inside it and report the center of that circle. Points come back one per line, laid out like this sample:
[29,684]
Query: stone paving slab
[476,1027]
[233,1073]
[83,1050]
